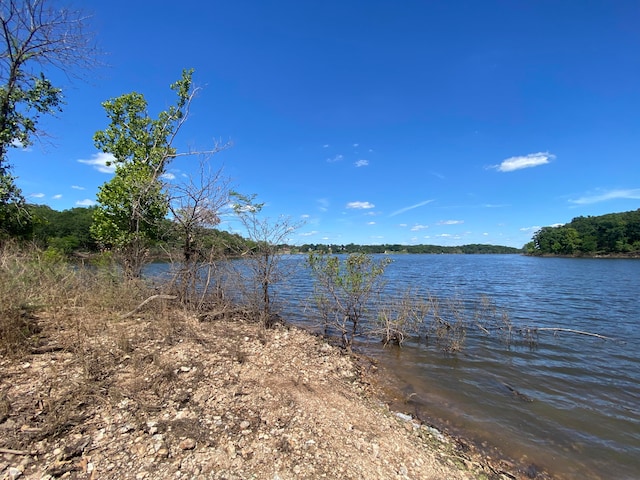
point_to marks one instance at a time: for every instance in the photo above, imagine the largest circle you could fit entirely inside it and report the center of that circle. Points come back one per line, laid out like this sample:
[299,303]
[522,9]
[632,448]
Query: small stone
[187,444]
[162,452]
[13,473]
[244,425]
[185,369]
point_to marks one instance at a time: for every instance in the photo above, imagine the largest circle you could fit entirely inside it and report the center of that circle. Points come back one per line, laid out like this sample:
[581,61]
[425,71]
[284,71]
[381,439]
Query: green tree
[35,35]
[133,204]
[344,289]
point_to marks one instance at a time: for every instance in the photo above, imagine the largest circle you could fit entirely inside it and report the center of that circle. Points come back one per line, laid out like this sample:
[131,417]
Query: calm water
[584,420]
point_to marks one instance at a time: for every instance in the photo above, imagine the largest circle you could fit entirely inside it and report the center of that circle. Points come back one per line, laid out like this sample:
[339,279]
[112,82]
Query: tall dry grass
[40,287]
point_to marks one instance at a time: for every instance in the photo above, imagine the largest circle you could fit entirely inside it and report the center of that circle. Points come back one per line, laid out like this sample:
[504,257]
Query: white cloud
[99,162]
[76,187]
[371,223]
[323,204]
[37,195]
[309,234]
[417,228]
[406,209]
[633,194]
[356,145]
[85,203]
[361,163]
[525,161]
[305,215]
[57,197]
[326,145]
[168,176]
[360,205]
[534,228]
[337,158]
[450,222]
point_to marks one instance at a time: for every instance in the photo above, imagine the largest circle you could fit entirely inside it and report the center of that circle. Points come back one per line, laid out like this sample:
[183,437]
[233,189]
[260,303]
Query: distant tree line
[397,248]
[69,231]
[610,234]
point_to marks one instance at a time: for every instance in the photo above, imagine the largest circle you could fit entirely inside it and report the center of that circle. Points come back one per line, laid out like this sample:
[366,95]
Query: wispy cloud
[417,228]
[100,160]
[337,158]
[36,195]
[533,228]
[57,197]
[87,202]
[406,209]
[524,161]
[168,176]
[360,205]
[76,187]
[629,194]
[326,145]
[371,223]
[309,234]
[450,222]
[356,145]
[323,204]
[361,163]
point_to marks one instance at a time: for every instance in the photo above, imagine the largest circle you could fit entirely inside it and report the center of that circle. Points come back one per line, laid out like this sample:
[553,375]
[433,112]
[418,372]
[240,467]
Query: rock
[187,444]
[404,417]
[14,473]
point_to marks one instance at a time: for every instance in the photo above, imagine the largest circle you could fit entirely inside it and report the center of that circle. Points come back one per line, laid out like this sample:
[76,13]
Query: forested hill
[610,234]
[396,248]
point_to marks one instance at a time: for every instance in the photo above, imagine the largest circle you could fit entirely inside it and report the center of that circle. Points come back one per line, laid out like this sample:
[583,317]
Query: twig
[13,452]
[151,298]
[571,330]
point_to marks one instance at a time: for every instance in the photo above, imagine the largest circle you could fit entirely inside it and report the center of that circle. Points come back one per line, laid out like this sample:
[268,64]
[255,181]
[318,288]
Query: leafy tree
[613,233]
[34,35]
[132,205]
[344,289]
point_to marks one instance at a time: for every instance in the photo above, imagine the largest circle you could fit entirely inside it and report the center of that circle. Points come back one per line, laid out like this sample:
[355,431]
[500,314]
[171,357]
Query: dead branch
[571,330]
[13,452]
[151,298]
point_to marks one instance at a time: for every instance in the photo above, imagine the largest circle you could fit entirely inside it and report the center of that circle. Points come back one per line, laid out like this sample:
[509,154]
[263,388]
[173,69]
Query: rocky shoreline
[166,395]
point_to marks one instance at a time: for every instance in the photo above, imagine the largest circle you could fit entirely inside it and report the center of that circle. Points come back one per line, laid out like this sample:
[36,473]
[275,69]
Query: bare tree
[269,239]
[195,205]
[35,36]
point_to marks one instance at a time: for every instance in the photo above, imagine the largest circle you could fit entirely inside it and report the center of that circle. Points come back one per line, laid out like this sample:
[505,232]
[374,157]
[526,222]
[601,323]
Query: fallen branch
[13,452]
[151,298]
[571,330]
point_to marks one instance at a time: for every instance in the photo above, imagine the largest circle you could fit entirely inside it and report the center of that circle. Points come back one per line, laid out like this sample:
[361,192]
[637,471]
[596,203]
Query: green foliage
[133,204]
[68,230]
[610,234]
[343,289]
[33,34]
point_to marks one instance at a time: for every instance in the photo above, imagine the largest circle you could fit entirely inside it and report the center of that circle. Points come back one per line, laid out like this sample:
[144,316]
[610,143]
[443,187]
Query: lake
[583,417]
[584,420]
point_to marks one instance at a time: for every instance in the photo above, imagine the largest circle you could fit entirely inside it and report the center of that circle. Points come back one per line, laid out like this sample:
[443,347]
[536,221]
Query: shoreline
[166,394]
[389,390]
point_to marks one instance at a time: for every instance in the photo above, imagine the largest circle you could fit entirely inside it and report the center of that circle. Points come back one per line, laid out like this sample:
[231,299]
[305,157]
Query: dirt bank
[165,395]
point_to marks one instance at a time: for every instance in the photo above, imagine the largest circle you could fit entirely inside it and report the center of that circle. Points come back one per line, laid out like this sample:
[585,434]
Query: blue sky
[436,122]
